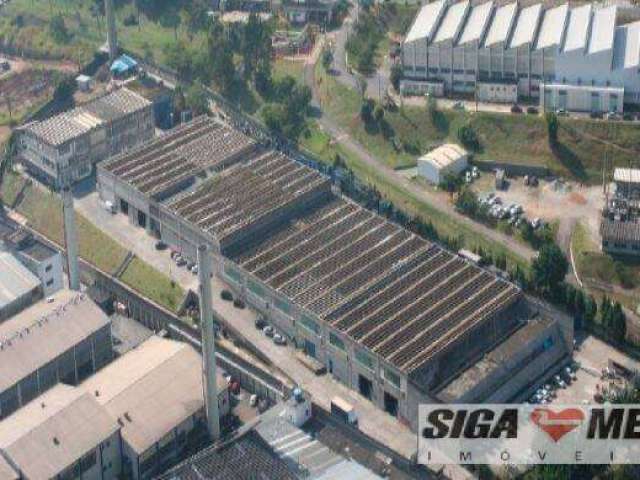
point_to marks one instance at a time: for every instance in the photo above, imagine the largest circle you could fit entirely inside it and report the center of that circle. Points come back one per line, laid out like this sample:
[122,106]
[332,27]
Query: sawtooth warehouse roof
[43,332]
[591,30]
[179,155]
[65,126]
[384,287]
[381,285]
[16,280]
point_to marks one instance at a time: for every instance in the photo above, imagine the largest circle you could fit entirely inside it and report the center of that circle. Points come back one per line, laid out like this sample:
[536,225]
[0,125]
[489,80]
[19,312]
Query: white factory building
[578,56]
[445,159]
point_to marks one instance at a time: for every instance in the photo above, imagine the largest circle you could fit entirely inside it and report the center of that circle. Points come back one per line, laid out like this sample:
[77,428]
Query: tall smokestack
[70,238]
[112,38]
[210,384]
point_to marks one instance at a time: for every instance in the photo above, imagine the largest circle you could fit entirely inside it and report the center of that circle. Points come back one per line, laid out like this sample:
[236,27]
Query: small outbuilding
[123,66]
[446,159]
[501,182]
[84,83]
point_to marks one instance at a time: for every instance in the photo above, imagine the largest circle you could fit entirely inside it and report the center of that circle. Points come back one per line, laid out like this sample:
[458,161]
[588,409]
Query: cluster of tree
[363,43]
[288,108]
[551,120]
[468,137]
[613,320]
[58,29]
[192,97]
[372,115]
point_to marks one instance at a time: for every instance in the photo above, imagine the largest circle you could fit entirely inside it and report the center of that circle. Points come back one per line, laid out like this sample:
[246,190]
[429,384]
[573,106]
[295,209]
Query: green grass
[12,185]
[282,67]
[518,139]
[86,31]
[593,264]
[43,210]
[153,284]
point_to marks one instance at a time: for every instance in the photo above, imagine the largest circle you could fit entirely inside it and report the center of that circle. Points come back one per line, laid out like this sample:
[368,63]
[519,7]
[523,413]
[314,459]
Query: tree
[551,119]
[378,114]
[361,83]
[64,90]
[549,268]
[467,202]
[171,19]
[327,59]
[450,182]
[432,109]
[366,111]
[197,99]
[590,309]
[58,29]
[395,76]
[468,137]
[618,326]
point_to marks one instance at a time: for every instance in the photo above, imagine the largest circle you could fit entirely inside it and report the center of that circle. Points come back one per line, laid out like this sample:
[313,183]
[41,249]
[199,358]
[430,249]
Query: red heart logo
[557,424]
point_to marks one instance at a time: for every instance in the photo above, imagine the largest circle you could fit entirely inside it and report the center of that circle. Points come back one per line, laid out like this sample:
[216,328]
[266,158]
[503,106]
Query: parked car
[180,261]
[515,108]
[234,387]
[613,116]
[260,323]
[239,303]
[268,331]
[532,110]
[561,112]
[458,106]
[253,400]
[110,207]
[160,245]
[279,339]
[194,269]
[226,295]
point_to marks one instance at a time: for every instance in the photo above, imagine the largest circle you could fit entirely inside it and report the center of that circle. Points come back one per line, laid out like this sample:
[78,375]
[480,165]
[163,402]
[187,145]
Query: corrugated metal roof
[444,155]
[553,26]
[477,23]
[158,385]
[627,175]
[52,432]
[45,331]
[626,49]
[526,26]
[15,279]
[501,24]
[578,28]
[65,126]
[602,30]
[452,22]
[426,21]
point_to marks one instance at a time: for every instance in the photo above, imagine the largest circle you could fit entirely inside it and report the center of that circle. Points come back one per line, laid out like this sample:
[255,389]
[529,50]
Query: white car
[253,400]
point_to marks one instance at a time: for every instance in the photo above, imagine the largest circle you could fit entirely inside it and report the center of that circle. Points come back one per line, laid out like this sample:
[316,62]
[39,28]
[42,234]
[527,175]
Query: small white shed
[448,158]
[84,83]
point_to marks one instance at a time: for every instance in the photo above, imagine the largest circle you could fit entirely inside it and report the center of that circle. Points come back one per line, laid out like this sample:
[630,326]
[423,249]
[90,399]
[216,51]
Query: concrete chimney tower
[112,38]
[209,378]
[70,238]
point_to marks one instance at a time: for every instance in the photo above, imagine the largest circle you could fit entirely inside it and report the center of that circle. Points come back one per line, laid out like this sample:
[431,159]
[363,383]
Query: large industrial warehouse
[571,58]
[389,314]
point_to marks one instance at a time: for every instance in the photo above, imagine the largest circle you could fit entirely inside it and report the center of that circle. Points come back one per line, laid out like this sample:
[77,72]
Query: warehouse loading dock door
[390,404]
[365,386]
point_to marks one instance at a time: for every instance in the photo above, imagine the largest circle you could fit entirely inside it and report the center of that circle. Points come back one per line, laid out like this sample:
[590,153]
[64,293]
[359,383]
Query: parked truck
[344,411]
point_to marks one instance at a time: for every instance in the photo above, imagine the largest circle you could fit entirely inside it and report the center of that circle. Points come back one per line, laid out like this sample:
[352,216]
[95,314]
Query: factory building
[504,53]
[620,226]
[134,418]
[62,434]
[19,288]
[448,159]
[63,339]
[155,394]
[389,314]
[65,147]
[43,261]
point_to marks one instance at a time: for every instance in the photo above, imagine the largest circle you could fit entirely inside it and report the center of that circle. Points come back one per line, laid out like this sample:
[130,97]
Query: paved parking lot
[593,355]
